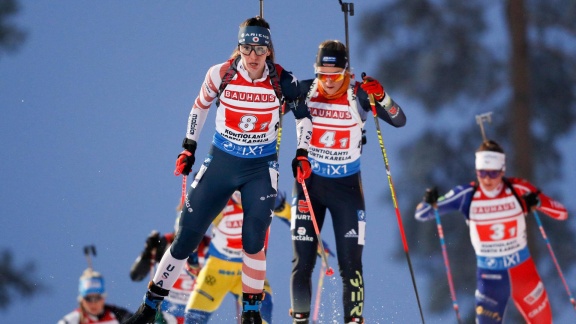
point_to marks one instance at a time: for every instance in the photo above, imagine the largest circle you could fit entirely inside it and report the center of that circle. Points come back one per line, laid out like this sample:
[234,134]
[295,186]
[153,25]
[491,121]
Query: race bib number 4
[336,139]
[248,122]
[497,231]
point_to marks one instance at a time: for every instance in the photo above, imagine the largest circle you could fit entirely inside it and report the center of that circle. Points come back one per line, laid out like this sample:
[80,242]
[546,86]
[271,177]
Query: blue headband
[254,35]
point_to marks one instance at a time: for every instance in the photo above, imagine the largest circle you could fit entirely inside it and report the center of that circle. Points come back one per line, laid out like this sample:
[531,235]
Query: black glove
[152,241]
[186,158]
[141,266]
[531,199]
[155,241]
[431,196]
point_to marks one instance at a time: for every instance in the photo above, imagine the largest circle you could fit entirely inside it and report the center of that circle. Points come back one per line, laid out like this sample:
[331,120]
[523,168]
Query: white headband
[489,160]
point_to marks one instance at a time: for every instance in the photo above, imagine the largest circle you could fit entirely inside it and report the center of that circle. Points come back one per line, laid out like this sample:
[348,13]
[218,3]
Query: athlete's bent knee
[253,242]
[185,242]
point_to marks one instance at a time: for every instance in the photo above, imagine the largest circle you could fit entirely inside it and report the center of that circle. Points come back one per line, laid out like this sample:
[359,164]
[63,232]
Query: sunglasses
[93,298]
[492,174]
[333,76]
[246,49]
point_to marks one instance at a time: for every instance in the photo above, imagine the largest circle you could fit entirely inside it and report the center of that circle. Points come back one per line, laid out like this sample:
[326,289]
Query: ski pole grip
[370,97]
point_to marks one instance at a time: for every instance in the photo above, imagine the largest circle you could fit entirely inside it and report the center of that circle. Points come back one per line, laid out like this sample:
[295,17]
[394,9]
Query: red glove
[301,167]
[304,170]
[185,159]
[372,87]
[184,163]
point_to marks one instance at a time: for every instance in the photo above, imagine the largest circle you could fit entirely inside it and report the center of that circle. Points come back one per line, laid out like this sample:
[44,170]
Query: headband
[254,35]
[91,285]
[331,58]
[489,160]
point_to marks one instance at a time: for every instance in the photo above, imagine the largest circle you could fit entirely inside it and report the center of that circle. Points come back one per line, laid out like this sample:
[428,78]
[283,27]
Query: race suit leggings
[216,279]
[522,283]
[344,198]
[219,176]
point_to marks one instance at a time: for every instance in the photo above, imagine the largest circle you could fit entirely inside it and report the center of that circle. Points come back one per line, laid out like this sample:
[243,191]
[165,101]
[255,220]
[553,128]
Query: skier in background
[92,303]
[331,168]
[495,209]
[242,157]
[174,305]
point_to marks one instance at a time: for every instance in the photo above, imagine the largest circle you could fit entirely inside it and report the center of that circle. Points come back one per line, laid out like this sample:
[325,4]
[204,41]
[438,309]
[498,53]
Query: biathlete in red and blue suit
[495,210]
[243,157]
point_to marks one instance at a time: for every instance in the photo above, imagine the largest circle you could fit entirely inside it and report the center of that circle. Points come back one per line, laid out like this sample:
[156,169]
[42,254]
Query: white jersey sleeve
[207,95]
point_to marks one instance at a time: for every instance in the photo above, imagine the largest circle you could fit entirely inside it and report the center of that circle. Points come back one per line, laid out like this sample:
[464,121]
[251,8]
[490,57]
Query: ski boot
[251,308]
[146,313]
[353,320]
[299,318]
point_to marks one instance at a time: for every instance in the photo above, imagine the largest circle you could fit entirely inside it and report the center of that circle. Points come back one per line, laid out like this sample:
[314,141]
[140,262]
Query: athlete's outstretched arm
[457,199]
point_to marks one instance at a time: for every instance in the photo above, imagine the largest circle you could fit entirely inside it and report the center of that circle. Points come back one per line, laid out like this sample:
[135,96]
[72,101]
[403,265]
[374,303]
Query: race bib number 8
[248,122]
[497,231]
[331,138]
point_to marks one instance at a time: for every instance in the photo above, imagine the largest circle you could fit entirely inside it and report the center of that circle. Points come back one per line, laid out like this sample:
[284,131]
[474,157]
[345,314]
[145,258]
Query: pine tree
[11,37]
[16,281]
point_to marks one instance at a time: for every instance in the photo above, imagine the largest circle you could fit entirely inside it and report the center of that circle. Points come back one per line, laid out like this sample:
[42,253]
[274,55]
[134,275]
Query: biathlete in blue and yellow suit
[222,273]
[242,157]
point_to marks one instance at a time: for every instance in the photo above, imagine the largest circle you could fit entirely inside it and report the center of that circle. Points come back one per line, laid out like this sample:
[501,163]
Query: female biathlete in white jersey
[495,210]
[243,157]
[334,183]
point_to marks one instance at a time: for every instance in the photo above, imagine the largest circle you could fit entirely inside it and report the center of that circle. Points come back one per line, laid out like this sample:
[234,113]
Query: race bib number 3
[336,139]
[248,122]
[497,231]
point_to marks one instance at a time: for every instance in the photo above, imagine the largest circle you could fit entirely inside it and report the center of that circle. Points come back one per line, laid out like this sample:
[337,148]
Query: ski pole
[238,311]
[318,295]
[279,139]
[347,8]
[447,264]
[152,263]
[88,251]
[572,301]
[182,201]
[480,119]
[183,197]
[261,8]
[394,201]
[329,270]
